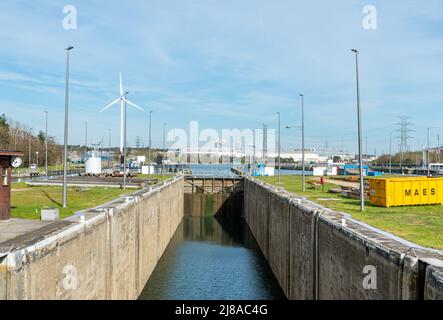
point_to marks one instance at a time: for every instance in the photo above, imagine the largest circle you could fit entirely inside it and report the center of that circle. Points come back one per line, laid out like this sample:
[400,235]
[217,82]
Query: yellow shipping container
[406,191]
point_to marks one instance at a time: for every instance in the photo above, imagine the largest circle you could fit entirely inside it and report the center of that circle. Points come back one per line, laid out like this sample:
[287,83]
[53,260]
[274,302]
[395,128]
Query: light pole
[124,143]
[149,137]
[46,145]
[65,151]
[279,147]
[360,156]
[303,141]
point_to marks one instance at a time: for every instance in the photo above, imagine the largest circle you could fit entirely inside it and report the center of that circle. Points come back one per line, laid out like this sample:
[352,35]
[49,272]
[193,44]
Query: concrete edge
[360,231]
[17,258]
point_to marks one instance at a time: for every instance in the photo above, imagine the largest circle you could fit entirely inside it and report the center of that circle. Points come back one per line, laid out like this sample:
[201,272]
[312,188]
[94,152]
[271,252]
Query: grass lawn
[420,224]
[41,169]
[26,201]
[160,177]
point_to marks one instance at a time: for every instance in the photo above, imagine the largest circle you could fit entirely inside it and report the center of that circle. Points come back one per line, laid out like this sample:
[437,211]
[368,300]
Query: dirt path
[343,183]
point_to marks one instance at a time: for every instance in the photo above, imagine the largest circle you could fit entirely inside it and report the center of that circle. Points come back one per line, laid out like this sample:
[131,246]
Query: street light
[360,157]
[46,146]
[303,141]
[279,148]
[124,143]
[65,151]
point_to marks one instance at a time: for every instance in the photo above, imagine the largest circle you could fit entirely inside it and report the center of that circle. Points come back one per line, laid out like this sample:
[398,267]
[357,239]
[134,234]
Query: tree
[41,136]
[4,132]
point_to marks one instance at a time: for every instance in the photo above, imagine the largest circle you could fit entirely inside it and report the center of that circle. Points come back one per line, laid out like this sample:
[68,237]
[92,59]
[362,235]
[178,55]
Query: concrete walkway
[17,233]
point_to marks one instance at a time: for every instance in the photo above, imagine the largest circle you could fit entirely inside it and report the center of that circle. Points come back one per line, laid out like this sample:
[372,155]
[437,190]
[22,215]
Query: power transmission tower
[137,142]
[404,130]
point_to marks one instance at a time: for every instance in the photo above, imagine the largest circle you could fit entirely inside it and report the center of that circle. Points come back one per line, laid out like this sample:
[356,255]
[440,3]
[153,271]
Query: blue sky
[227,64]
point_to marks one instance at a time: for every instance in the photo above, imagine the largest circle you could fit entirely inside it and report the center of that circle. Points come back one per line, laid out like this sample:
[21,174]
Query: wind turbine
[122,99]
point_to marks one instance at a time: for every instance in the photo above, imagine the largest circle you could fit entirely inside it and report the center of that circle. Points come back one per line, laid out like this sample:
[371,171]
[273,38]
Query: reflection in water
[212,259]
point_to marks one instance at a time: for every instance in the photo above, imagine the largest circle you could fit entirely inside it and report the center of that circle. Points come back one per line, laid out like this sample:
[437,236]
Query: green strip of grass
[420,224]
[159,177]
[26,202]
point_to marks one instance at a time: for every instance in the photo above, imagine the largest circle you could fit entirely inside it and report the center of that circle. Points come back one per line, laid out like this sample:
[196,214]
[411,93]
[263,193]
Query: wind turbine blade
[121,85]
[110,105]
[134,105]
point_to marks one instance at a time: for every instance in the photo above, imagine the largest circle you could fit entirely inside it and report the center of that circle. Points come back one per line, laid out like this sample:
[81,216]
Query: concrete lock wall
[318,253]
[110,255]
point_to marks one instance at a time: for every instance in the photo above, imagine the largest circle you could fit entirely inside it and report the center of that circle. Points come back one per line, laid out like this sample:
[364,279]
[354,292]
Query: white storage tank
[94,164]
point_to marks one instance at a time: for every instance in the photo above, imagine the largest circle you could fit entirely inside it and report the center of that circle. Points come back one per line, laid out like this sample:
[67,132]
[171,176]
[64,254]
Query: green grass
[26,201]
[41,169]
[420,224]
[160,177]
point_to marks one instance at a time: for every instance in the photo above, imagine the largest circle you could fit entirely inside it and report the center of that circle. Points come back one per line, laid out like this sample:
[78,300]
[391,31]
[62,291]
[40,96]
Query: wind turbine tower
[122,99]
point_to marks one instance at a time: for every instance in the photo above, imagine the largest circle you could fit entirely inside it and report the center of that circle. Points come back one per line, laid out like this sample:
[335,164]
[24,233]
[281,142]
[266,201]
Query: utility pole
[46,145]
[360,156]
[65,151]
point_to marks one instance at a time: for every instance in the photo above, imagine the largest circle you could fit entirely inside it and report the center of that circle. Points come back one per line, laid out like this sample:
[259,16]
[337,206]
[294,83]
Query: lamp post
[46,145]
[303,141]
[124,143]
[279,148]
[149,137]
[65,151]
[360,156]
